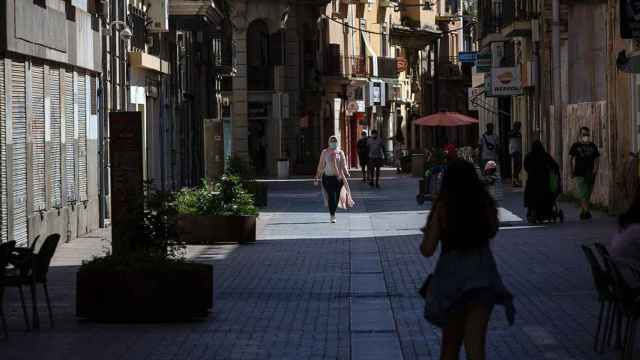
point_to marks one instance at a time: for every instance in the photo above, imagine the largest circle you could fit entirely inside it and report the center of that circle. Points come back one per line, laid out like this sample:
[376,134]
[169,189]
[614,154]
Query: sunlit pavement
[314,290]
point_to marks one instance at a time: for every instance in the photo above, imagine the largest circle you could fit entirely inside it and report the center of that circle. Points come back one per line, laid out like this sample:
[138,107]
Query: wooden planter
[216,229]
[259,191]
[173,293]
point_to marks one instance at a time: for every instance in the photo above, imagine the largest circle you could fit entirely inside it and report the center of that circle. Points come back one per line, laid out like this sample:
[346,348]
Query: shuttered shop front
[38,169]
[19,154]
[69,136]
[55,149]
[3,156]
[81,101]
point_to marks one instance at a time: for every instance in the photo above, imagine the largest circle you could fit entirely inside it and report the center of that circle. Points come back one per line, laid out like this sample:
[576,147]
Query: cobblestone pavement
[313,290]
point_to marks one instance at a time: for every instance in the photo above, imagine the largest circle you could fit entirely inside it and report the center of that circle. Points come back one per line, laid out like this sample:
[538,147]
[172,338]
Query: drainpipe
[557,88]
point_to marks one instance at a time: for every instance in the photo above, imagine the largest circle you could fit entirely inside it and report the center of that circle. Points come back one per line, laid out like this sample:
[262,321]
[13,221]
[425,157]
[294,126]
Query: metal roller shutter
[3,158]
[38,168]
[69,146]
[55,148]
[81,100]
[19,161]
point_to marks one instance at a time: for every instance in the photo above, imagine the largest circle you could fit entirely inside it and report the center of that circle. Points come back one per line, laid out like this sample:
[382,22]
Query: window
[259,62]
[41,3]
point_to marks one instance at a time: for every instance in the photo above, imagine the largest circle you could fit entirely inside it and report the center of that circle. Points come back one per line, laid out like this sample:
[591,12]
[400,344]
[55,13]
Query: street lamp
[125,34]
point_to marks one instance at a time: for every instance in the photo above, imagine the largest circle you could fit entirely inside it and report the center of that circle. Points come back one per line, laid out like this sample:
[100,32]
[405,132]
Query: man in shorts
[584,168]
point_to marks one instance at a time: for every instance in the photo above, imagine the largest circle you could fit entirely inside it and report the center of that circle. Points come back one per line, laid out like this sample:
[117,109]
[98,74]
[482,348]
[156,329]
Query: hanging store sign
[506,82]
[483,62]
[352,107]
[630,19]
[497,54]
[468,57]
[401,64]
[362,106]
[474,94]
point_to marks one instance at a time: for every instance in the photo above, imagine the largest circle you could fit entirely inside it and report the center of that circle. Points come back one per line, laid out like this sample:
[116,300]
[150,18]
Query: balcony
[196,10]
[517,16]
[387,67]
[359,67]
[225,57]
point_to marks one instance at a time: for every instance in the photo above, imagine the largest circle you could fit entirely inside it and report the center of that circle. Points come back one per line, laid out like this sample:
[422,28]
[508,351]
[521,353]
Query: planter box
[259,191]
[130,295]
[216,229]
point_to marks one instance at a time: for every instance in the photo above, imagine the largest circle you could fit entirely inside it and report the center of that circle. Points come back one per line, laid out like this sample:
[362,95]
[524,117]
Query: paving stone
[365,264]
[371,315]
[375,347]
[368,285]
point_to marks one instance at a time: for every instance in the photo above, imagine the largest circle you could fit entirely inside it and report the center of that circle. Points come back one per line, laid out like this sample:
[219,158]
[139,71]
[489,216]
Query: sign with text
[630,19]
[468,57]
[505,81]
[483,62]
[475,94]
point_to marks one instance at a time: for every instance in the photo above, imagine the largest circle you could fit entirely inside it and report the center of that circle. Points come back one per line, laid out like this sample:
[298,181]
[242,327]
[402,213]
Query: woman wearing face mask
[333,169]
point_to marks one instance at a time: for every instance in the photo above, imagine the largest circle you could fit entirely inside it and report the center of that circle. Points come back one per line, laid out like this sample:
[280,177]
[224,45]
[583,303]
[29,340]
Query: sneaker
[333,219]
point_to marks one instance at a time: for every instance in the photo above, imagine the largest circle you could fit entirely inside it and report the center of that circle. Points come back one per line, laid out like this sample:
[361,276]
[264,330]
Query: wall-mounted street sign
[483,62]
[468,57]
[630,19]
[505,81]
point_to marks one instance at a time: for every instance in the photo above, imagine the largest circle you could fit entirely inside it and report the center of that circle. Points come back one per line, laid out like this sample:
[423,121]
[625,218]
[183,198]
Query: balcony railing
[387,67]
[358,66]
[517,10]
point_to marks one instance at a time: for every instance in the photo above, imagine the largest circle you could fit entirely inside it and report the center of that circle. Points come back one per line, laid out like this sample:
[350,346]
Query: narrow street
[313,290]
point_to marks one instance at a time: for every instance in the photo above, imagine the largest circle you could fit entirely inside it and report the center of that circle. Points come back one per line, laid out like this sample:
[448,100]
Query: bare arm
[431,233]
[320,165]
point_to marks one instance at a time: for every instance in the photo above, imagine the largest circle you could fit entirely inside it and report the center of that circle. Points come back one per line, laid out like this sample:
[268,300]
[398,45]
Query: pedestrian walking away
[461,292]
[515,152]
[363,154]
[376,157]
[543,184]
[584,167]
[332,169]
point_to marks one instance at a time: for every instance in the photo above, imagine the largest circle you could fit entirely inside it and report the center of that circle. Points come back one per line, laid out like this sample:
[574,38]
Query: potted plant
[152,283]
[216,213]
[246,171]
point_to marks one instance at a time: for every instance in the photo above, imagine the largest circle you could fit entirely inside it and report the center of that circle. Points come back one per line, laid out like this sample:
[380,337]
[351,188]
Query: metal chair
[34,267]
[606,296]
[618,314]
[629,297]
[5,253]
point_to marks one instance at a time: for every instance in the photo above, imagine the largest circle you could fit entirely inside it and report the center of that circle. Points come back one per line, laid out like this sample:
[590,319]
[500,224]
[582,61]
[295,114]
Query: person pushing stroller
[543,185]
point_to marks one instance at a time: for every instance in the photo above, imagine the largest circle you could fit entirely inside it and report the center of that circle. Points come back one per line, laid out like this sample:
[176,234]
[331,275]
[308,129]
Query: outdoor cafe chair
[5,253]
[626,282]
[602,250]
[608,304]
[33,265]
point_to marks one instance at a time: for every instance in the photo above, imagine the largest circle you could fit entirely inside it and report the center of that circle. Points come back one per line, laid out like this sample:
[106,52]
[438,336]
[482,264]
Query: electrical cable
[379,33]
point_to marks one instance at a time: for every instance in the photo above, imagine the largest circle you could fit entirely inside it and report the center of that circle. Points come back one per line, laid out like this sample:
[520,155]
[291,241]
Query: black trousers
[332,186]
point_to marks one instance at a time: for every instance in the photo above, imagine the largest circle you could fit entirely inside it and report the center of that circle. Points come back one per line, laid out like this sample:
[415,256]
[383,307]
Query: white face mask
[586,138]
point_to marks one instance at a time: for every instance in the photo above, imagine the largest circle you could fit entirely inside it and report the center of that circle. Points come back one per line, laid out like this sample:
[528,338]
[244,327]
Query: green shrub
[227,197]
[240,167]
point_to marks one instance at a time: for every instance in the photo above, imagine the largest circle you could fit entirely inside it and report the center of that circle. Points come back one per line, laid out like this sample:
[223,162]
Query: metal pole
[557,88]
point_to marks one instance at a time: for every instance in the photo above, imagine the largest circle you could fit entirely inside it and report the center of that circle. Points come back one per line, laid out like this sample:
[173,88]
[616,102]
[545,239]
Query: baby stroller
[548,210]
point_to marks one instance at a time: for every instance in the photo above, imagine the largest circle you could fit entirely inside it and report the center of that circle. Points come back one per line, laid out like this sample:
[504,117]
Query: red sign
[401,64]
[359,116]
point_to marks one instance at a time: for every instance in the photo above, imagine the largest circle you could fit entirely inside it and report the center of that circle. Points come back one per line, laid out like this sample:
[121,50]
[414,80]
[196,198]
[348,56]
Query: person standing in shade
[489,143]
[515,151]
[363,154]
[584,167]
[376,157]
[333,169]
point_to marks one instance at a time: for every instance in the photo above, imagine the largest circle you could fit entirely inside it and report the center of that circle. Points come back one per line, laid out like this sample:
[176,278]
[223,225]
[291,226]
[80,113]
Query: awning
[374,57]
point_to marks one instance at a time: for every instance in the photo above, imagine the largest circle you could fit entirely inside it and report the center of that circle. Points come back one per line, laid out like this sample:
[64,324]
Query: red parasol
[446,119]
